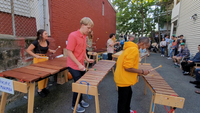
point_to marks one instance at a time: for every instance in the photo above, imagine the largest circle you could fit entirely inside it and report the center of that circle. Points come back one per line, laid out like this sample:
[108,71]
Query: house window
[103,9]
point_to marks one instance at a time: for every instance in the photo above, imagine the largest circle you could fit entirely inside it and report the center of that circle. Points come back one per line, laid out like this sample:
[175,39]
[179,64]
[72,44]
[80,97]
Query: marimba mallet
[45,57]
[155,68]
[57,48]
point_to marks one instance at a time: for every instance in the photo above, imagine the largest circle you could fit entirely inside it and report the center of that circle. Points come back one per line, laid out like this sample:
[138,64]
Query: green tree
[133,16]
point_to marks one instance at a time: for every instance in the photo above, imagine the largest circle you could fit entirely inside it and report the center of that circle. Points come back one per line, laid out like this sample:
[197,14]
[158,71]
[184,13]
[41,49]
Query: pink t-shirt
[77,44]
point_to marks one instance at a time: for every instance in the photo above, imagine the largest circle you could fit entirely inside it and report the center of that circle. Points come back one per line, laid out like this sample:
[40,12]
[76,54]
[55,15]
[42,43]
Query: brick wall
[24,26]
[65,16]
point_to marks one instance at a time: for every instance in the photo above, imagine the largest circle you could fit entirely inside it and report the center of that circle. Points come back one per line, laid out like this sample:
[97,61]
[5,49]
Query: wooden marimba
[95,53]
[116,55]
[162,93]
[94,76]
[27,76]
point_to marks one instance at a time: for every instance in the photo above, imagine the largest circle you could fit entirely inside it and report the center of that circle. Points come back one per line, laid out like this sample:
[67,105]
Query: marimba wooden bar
[94,76]
[162,93]
[27,76]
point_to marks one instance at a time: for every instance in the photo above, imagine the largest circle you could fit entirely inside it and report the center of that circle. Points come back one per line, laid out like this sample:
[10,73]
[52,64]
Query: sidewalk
[59,99]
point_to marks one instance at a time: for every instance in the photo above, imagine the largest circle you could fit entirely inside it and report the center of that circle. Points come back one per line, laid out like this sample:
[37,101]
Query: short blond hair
[87,21]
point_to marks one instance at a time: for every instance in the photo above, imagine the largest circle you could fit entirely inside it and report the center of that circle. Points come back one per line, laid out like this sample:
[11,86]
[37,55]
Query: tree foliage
[135,16]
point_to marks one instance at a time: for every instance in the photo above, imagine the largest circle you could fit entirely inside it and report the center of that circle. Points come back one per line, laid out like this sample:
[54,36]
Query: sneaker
[133,111]
[169,58]
[183,72]
[79,109]
[84,104]
[46,91]
[42,94]
[175,63]
[186,73]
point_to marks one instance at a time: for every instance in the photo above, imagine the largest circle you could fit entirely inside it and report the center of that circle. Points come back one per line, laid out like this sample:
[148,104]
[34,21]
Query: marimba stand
[95,53]
[162,93]
[94,76]
[29,75]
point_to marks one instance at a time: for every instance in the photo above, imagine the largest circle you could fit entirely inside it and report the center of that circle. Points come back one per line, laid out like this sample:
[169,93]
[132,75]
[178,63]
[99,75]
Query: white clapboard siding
[187,26]
[5,6]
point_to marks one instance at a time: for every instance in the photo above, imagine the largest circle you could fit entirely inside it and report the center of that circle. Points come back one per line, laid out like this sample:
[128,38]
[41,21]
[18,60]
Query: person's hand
[146,72]
[37,56]
[53,51]
[199,72]
[81,67]
[189,61]
[90,60]
[89,46]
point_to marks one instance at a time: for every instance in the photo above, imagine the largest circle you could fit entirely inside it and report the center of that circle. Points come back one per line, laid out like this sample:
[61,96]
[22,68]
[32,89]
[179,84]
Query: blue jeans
[76,74]
[197,74]
[170,53]
[162,50]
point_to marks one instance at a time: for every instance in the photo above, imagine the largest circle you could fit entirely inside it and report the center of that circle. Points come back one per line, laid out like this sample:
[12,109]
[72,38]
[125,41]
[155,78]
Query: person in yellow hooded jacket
[127,71]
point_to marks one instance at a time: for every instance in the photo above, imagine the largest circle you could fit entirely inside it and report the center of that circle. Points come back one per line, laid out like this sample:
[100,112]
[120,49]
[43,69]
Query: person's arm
[73,58]
[113,44]
[89,60]
[139,71]
[29,50]
[51,51]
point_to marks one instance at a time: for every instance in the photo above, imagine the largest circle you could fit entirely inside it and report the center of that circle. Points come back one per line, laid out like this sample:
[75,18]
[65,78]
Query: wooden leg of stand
[96,58]
[31,95]
[152,104]
[97,103]
[192,71]
[145,60]
[113,70]
[145,88]
[3,102]
[77,100]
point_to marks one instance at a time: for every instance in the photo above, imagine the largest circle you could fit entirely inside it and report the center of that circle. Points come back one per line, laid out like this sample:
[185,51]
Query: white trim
[112,5]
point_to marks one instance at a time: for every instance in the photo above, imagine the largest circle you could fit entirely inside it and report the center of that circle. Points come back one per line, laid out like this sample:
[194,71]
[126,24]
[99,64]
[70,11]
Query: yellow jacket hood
[129,44]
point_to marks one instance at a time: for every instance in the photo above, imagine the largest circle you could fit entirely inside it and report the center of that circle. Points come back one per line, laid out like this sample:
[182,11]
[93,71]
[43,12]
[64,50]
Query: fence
[22,18]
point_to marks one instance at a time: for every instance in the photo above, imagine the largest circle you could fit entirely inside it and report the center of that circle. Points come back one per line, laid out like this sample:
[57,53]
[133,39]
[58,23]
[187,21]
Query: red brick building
[65,16]
[59,18]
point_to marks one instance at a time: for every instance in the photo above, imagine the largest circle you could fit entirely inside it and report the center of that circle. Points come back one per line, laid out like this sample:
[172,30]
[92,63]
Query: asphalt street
[60,97]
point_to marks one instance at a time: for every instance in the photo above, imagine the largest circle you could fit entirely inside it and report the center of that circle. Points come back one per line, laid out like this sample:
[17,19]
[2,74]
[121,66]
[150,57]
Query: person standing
[76,54]
[38,50]
[131,38]
[173,46]
[127,71]
[162,46]
[121,40]
[110,45]
[167,43]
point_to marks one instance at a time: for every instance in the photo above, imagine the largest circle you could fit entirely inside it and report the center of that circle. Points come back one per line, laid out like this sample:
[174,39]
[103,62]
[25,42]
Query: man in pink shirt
[76,51]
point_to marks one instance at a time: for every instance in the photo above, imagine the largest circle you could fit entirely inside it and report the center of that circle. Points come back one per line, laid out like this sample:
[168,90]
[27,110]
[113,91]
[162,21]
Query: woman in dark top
[38,50]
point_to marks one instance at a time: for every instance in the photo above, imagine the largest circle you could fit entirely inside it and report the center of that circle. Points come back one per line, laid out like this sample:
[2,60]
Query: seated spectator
[179,46]
[184,53]
[197,82]
[190,63]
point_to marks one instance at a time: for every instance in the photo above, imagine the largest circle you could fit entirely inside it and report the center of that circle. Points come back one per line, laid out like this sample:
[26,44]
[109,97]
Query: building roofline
[112,6]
